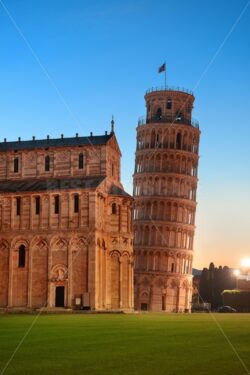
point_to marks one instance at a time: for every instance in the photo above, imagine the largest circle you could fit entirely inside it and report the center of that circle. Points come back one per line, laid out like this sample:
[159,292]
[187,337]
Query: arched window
[47,163]
[178,141]
[76,203]
[169,104]
[57,204]
[21,256]
[178,116]
[80,161]
[114,210]
[18,206]
[38,204]
[159,114]
[16,165]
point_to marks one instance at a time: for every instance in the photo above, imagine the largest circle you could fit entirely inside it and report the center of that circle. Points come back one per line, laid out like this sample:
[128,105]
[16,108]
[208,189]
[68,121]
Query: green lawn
[147,344]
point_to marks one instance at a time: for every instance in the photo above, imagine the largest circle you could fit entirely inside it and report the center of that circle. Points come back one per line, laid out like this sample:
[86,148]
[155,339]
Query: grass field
[142,344]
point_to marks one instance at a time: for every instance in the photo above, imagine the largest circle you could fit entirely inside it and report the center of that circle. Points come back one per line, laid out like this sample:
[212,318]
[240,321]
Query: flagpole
[165,76]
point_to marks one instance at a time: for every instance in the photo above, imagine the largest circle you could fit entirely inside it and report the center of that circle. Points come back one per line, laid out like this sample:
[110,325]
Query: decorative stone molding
[59,272]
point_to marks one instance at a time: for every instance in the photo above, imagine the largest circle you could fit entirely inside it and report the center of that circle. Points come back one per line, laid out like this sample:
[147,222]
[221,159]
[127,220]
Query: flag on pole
[162,68]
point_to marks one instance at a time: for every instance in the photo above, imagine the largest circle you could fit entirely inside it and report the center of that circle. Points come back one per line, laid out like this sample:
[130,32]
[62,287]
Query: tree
[213,282]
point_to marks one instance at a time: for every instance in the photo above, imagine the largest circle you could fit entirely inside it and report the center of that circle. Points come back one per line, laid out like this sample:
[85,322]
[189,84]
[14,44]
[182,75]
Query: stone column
[104,277]
[70,251]
[108,281]
[11,250]
[120,283]
[178,298]
[30,266]
[49,301]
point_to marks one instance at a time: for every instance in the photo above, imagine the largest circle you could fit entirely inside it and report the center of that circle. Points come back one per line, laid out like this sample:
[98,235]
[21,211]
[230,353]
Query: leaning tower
[165,183]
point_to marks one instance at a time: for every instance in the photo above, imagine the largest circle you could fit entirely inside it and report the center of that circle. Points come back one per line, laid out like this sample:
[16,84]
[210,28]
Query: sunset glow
[245,262]
[236,272]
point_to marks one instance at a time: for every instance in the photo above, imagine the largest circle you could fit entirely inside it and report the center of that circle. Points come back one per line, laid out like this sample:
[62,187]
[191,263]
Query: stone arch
[170,186]
[171,162]
[178,140]
[157,166]
[159,236]
[4,245]
[159,138]
[174,211]
[166,139]
[176,185]
[150,186]
[180,214]
[163,186]
[146,163]
[147,138]
[148,213]
[150,261]
[177,167]
[38,242]
[58,242]
[159,282]
[183,165]
[165,241]
[19,274]
[146,235]
[144,300]
[171,263]
[144,186]
[182,188]
[185,141]
[18,241]
[156,185]
[141,234]
[184,295]
[135,235]
[145,282]
[59,272]
[154,210]
[144,260]
[189,169]
[151,162]
[178,238]
[168,211]
[164,261]
[161,211]
[153,138]
[153,235]
[172,138]
[157,261]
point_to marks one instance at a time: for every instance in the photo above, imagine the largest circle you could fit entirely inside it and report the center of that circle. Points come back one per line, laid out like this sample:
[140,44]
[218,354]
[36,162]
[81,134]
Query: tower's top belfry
[169,105]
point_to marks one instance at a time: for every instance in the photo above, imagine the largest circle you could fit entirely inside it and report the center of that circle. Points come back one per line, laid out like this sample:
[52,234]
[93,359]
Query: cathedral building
[65,225]
[165,183]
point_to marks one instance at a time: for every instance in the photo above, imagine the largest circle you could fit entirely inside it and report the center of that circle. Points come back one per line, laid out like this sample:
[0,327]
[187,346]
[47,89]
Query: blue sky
[103,55]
